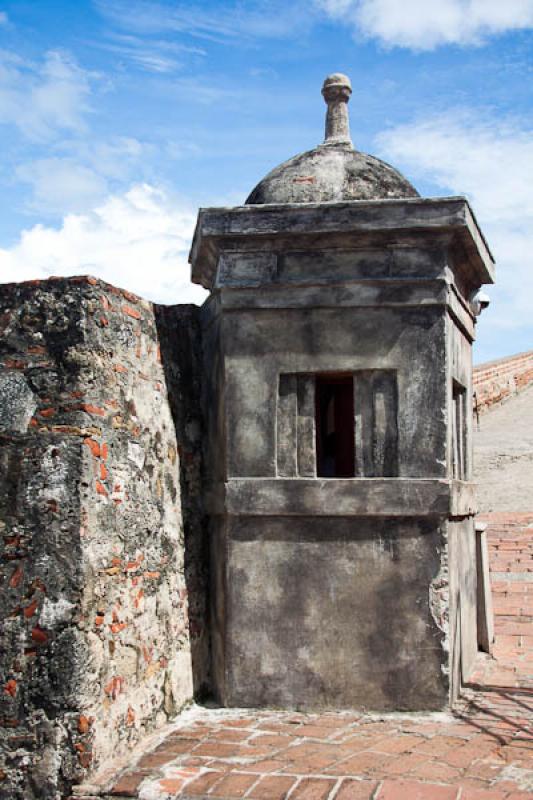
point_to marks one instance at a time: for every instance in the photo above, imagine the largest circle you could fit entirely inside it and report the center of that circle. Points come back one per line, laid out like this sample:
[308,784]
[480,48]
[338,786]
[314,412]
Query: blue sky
[118,119]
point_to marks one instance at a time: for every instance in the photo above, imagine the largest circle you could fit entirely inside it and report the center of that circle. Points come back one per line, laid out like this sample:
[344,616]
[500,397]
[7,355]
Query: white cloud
[3,18]
[491,162]
[79,179]
[152,55]
[423,25]
[48,102]
[224,22]
[40,99]
[137,241]
[113,158]
[61,183]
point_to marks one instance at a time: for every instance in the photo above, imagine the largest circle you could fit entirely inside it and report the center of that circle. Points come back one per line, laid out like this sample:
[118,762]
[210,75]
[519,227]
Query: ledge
[400,217]
[363,497]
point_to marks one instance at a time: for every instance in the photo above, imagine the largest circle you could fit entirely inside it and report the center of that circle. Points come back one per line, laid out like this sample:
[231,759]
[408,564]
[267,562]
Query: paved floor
[483,751]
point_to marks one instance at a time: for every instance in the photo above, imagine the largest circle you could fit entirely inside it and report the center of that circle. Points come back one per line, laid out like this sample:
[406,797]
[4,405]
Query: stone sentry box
[337,363]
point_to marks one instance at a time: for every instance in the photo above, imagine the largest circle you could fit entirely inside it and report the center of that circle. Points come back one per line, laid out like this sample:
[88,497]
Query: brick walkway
[484,751]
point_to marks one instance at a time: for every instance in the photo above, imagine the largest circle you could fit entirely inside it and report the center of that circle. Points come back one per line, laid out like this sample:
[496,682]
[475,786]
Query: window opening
[459,443]
[335,446]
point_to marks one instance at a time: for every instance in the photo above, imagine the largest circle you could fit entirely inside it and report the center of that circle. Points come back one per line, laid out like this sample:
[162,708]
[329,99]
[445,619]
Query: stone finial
[336,91]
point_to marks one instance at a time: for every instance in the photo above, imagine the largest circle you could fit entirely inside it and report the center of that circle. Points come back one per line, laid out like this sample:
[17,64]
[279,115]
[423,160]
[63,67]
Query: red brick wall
[496,381]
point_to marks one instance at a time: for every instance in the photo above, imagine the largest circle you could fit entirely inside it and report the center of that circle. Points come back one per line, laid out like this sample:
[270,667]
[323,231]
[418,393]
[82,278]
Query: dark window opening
[335,445]
[459,433]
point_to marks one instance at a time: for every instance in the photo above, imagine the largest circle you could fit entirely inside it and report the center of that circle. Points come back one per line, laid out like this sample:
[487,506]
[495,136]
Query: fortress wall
[496,381]
[103,611]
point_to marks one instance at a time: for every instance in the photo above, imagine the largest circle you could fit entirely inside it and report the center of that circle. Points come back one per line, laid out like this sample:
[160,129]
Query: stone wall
[497,381]
[102,574]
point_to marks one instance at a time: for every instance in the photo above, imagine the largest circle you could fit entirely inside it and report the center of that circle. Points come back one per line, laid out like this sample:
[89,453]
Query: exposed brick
[16,577]
[315,731]
[114,687]
[171,785]
[131,312]
[31,609]
[233,785]
[232,735]
[93,446]
[272,787]
[204,783]
[85,759]
[404,764]
[411,790]
[360,763]
[39,636]
[117,627]
[263,765]
[153,760]
[128,784]
[216,749]
[433,771]
[174,747]
[91,409]
[398,744]
[84,723]
[100,489]
[356,790]
[313,789]
[495,382]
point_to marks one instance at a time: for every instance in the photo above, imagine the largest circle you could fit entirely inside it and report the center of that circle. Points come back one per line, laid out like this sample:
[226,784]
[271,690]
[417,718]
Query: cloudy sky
[118,118]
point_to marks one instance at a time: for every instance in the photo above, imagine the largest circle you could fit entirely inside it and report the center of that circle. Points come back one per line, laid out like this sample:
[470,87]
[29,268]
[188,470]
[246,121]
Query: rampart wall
[102,571]
[497,381]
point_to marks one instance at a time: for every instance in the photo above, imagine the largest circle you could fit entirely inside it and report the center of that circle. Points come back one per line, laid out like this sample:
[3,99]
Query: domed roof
[333,171]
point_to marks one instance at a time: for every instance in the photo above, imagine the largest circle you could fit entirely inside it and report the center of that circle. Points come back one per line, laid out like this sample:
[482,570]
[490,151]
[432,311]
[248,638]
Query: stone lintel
[399,217]
[372,497]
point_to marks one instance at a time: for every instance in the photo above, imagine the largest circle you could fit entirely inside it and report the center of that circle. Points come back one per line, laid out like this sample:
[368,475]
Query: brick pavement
[483,751]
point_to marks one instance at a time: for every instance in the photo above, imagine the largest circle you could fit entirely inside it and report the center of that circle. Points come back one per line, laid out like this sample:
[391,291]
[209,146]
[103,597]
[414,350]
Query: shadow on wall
[179,339]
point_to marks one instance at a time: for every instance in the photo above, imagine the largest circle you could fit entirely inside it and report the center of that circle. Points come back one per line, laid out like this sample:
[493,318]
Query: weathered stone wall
[100,605]
[497,381]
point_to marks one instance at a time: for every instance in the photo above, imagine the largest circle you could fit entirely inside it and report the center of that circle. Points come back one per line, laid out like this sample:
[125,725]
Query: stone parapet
[101,480]
[497,381]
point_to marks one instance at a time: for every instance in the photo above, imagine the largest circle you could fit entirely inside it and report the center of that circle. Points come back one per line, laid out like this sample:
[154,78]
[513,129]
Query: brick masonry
[102,612]
[497,381]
